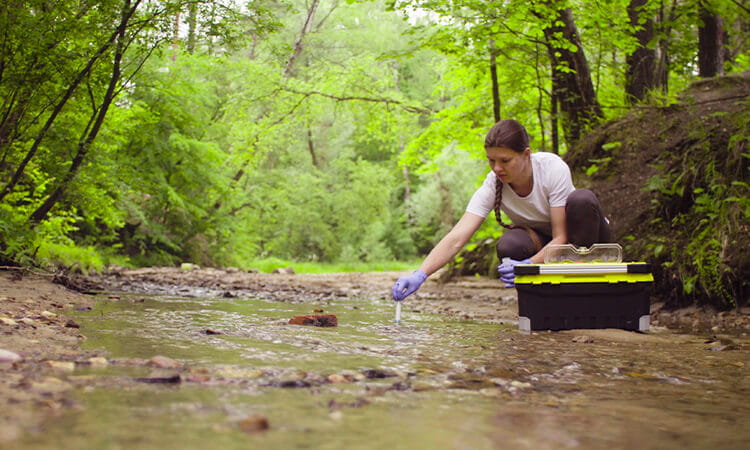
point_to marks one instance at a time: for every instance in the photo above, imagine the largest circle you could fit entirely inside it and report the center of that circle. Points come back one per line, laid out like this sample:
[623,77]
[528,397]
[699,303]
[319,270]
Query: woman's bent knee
[515,244]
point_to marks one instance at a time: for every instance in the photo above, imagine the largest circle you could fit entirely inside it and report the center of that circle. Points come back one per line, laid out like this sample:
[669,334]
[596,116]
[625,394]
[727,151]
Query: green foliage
[225,145]
[702,207]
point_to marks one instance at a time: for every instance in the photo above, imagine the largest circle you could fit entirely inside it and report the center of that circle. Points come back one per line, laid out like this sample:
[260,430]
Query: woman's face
[511,166]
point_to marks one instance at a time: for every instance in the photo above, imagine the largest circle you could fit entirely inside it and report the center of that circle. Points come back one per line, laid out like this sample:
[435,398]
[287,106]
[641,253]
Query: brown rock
[254,423]
[165,363]
[315,320]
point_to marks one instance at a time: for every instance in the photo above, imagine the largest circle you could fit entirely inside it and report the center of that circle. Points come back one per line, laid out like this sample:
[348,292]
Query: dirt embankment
[40,346]
[37,344]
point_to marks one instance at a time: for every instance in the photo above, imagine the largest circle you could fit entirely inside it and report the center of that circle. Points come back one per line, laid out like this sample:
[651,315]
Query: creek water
[431,382]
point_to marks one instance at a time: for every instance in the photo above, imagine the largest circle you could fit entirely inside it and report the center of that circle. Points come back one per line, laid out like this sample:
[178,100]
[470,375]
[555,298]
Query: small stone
[48,315]
[8,356]
[62,366]
[583,339]
[209,331]
[98,362]
[71,324]
[337,378]
[28,321]
[198,378]
[315,320]
[159,378]
[254,423]
[8,321]
[235,372]
[378,373]
[163,362]
[50,385]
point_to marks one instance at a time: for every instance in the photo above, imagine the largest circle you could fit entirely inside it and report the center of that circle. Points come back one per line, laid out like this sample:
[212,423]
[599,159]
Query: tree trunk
[710,43]
[306,28]
[573,88]
[554,125]
[495,87]
[192,26]
[641,70]
[311,146]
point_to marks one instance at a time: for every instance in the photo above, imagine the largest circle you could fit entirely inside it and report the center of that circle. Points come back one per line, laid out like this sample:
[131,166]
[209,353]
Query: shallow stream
[430,382]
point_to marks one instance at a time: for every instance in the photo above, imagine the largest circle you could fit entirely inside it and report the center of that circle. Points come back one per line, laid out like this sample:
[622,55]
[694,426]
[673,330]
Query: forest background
[255,134]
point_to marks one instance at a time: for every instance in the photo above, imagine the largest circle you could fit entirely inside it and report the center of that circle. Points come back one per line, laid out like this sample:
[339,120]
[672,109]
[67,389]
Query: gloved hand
[505,270]
[407,285]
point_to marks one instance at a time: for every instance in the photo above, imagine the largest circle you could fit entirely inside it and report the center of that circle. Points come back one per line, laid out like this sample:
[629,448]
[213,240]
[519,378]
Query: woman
[536,192]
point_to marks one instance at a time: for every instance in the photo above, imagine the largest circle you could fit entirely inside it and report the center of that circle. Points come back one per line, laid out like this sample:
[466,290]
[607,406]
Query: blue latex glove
[407,285]
[505,270]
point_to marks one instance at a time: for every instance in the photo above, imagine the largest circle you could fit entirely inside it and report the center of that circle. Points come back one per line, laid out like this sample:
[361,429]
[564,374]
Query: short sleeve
[560,183]
[483,200]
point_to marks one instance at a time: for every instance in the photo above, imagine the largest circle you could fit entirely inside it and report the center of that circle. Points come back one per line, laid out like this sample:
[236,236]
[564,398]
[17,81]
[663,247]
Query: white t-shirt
[552,185]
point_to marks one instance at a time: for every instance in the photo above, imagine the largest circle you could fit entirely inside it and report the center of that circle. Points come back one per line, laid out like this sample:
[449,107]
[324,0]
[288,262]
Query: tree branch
[387,101]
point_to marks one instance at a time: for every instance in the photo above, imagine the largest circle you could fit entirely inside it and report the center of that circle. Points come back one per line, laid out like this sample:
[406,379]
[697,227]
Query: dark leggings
[584,220]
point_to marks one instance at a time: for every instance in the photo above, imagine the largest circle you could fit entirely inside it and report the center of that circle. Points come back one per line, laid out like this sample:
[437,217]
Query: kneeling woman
[536,192]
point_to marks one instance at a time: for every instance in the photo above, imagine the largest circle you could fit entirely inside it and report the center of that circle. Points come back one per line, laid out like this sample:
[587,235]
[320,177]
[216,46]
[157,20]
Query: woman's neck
[526,185]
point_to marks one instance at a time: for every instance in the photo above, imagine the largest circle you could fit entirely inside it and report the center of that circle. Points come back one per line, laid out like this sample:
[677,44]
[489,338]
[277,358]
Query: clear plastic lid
[569,253]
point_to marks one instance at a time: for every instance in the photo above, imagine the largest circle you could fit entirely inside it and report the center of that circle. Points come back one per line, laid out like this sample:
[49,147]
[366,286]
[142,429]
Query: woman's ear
[527,152]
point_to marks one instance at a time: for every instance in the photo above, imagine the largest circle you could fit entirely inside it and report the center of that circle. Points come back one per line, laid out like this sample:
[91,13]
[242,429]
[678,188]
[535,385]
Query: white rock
[8,356]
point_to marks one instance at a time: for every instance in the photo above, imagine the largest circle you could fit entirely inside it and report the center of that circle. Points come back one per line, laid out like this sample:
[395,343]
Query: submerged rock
[315,320]
[165,363]
[378,373]
[254,423]
[161,379]
[62,366]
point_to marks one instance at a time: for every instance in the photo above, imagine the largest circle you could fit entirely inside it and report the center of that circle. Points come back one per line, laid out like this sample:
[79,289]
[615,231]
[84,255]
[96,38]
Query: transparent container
[569,253]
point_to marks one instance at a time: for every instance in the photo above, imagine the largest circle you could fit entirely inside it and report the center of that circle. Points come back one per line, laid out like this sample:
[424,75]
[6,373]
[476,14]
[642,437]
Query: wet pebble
[338,378]
[158,378]
[335,405]
[163,362]
[9,356]
[235,372]
[254,423]
[50,385]
[62,366]
[315,320]
[28,321]
[378,373]
[98,362]
[292,384]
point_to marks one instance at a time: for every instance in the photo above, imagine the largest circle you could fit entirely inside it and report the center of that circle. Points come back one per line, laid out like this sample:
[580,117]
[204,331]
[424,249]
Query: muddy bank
[34,326]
